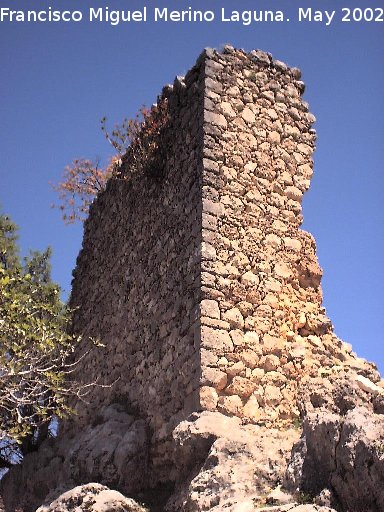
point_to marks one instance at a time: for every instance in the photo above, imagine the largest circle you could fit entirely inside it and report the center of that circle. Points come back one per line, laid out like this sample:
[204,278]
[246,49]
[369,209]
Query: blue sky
[58,80]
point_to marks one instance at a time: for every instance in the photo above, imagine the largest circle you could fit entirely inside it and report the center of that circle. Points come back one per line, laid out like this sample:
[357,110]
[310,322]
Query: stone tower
[196,277]
[201,284]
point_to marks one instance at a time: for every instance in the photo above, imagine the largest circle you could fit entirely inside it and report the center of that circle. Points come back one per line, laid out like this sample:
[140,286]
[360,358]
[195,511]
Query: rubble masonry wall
[202,285]
[137,280]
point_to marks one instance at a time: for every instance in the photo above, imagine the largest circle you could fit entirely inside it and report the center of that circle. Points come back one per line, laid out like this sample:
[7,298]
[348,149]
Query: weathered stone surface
[210,308]
[216,119]
[337,391]
[248,115]
[212,207]
[235,369]
[214,378]
[113,451]
[270,363]
[272,344]
[251,409]
[234,317]
[343,454]
[217,340]
[283,270]
[208,252]
[367,385]
[273,395]
[226,109]
[208,398]
[252,339]
[224,465]
[92,497]
[231,405]
[250,279]
[249,358]
[241,387]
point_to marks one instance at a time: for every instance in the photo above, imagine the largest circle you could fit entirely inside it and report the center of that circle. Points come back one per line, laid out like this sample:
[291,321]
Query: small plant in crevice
[297,422]
[304,498]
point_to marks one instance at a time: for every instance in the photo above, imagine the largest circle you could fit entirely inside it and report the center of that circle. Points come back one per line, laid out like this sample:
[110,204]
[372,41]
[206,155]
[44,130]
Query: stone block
[250,358]
[215,119]
[240,386]
[214,378]
[272,395]
[216,340]
[251,409]
[210,308]
[234,318]
[248,115]
[230,405]
[208,398]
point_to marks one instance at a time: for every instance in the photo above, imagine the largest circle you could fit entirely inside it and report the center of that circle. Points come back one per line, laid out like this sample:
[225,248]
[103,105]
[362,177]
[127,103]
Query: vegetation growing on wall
[134,140]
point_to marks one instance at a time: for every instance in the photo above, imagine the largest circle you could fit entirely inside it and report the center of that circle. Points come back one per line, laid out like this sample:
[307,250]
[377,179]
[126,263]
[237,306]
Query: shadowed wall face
[137,281]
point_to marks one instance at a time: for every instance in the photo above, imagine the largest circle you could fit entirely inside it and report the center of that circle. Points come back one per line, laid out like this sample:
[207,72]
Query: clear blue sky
[59,79]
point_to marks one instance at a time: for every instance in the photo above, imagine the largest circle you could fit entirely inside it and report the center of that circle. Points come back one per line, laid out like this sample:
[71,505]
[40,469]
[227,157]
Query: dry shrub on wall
[82,180]
[136,141]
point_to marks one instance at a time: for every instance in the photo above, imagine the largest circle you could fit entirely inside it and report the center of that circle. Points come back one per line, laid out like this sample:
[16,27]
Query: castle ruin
[201,284]
[196,277]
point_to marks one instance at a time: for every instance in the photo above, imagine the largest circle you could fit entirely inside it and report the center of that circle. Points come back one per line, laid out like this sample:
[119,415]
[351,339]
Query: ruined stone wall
[264,331]
[202,285]
[137,280]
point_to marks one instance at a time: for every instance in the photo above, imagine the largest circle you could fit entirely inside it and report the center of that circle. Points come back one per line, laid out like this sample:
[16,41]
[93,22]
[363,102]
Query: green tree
[36,349]
[9,253]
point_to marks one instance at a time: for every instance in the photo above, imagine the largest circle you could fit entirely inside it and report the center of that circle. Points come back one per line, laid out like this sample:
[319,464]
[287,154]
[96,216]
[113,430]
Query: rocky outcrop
[342,456]
[339,459]
[92,498]
[113,451]
[334,463]
[224,464]
[339,390]
[338,462]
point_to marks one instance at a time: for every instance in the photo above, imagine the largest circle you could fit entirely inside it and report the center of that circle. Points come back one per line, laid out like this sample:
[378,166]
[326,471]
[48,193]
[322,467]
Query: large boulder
[223,464]
[112,451]
[92,497]
[340,391]
[343,455]
[220,462]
